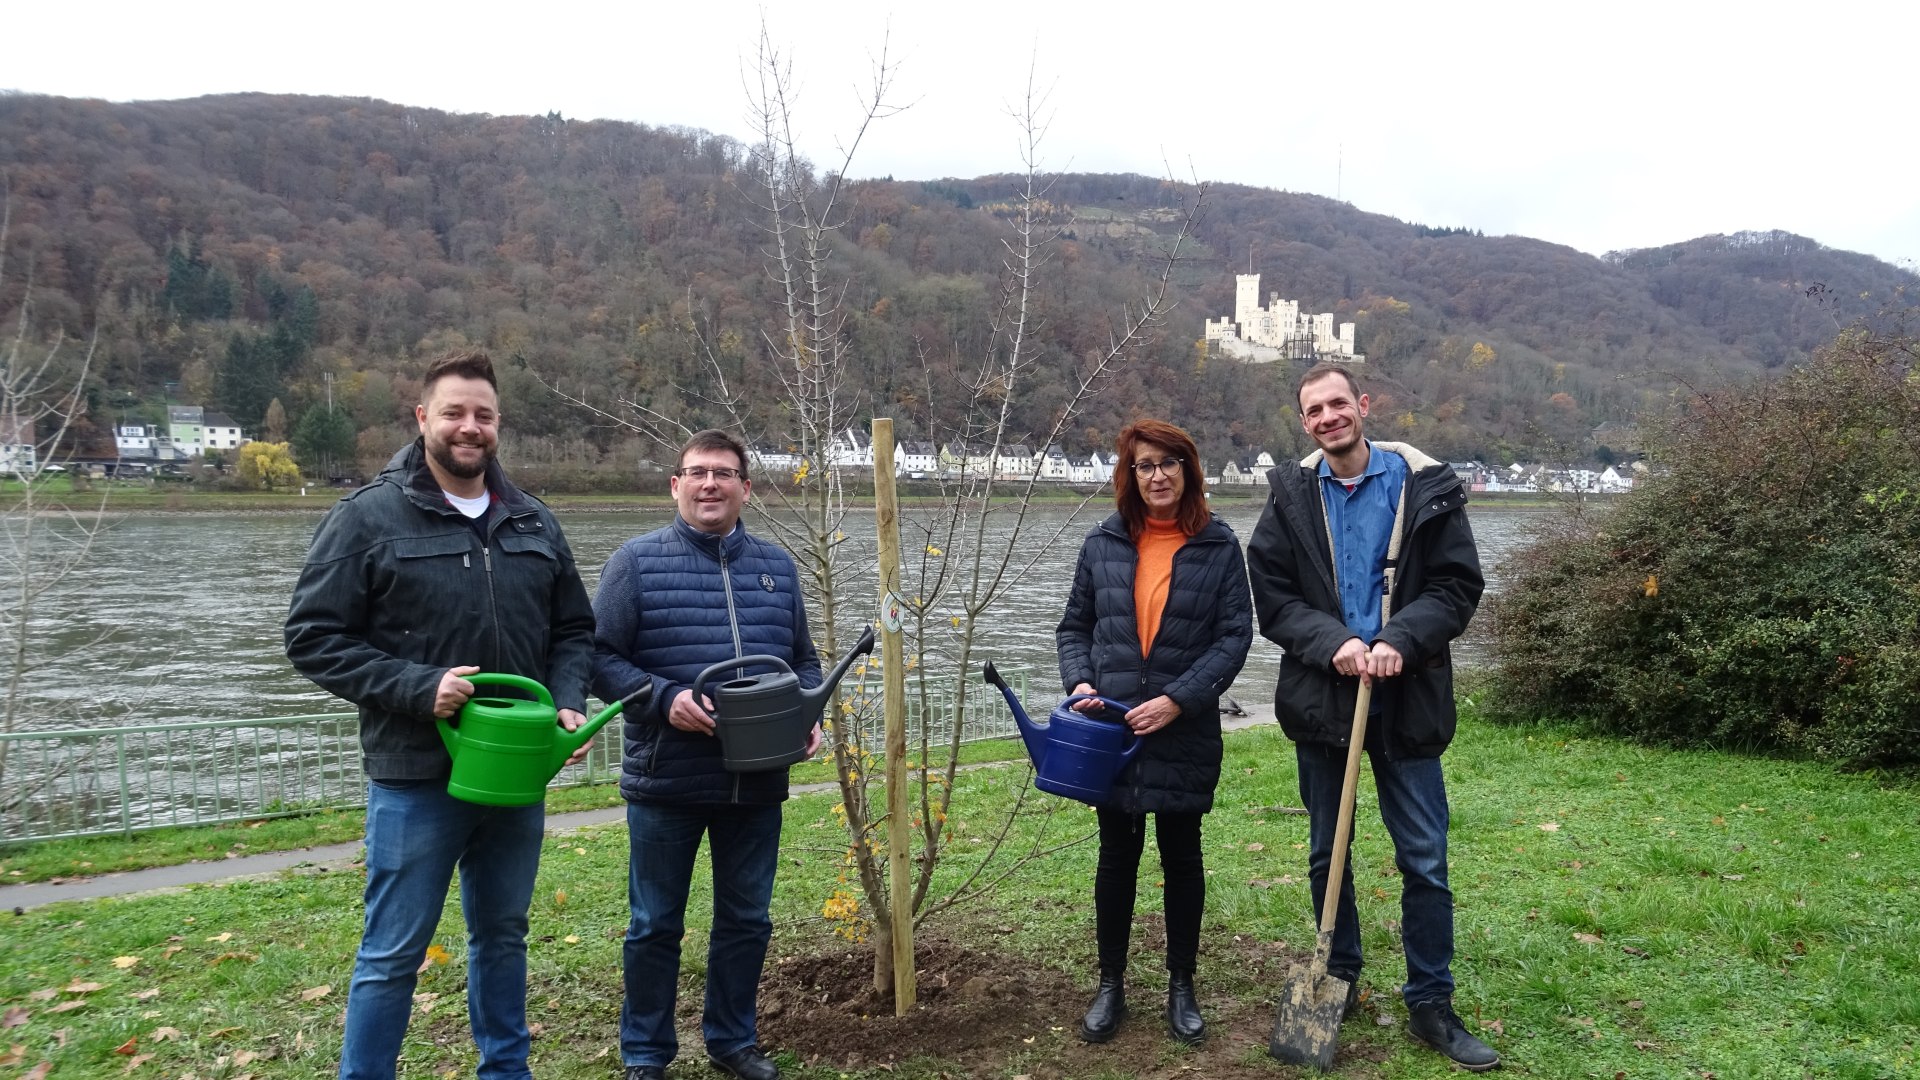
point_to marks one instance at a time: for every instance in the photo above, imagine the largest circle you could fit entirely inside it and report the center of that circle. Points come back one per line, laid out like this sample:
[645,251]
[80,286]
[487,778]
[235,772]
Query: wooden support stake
[886,504]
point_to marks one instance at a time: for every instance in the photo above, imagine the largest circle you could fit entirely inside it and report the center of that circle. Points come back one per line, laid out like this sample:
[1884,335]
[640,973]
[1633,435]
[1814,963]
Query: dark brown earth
[981,1013]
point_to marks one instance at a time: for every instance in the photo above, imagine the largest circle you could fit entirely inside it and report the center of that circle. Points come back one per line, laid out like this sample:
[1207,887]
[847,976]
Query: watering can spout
[1034,735]
[816,698]
[567,742]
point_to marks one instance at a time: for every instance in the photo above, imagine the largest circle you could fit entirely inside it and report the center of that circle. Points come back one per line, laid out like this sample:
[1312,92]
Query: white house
[1094,468]
[222,433]
[772,460]
[1054,465]
[850,449]
[1014,462]
[18,449]
[1247,469]
[917,459]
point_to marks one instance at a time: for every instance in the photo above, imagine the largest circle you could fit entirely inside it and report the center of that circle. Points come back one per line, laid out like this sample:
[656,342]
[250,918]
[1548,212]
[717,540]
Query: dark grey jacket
[1437,587]
[398,587]
[1205,630]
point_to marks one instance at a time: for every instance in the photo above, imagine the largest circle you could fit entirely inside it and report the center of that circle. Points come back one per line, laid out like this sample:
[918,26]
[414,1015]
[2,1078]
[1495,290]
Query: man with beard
[437,570]
[1364,569]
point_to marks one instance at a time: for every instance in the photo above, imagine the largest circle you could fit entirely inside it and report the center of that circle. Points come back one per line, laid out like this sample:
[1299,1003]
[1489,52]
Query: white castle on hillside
[1278,331]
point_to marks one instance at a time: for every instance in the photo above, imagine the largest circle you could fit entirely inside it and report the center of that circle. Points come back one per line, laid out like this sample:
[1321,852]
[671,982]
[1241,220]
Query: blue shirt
[1361,521]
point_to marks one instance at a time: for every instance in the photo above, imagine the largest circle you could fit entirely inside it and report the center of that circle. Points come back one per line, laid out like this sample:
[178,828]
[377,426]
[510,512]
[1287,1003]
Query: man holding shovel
[1364,570]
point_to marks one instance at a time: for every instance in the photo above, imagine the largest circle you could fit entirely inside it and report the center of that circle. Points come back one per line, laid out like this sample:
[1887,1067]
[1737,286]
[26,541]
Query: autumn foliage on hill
[238,250]
[1763,591]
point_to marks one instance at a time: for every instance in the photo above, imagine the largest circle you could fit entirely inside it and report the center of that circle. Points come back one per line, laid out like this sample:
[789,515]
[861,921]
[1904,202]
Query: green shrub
[1761,590]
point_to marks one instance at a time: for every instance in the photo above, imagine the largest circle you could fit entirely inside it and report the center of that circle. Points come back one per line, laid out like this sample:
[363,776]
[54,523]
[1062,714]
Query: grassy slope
[1621,910]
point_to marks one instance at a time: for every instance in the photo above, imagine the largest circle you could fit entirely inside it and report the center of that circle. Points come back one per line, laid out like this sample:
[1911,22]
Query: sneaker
[646,1072]
[1436,1024]
[746,1063]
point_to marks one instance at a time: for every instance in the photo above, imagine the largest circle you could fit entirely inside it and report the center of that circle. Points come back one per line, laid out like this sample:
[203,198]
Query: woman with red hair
[1159,618]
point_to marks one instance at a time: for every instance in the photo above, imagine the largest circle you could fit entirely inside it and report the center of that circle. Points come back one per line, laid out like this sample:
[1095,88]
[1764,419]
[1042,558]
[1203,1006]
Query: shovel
[1306,1030]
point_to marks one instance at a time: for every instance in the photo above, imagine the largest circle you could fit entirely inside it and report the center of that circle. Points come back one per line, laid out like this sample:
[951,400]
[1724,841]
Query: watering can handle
[1134,741]
[518,682]
[700,680]
[1120,707]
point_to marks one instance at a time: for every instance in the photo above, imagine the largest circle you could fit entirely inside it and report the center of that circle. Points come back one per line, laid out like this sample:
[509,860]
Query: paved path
[344,855]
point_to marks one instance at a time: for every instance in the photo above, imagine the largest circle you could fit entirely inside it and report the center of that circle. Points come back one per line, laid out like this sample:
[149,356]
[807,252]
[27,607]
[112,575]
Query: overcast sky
[1601,126]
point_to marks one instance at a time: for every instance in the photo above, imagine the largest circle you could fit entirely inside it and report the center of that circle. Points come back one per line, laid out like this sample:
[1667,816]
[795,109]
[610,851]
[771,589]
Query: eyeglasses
[1145,469]
[699,474]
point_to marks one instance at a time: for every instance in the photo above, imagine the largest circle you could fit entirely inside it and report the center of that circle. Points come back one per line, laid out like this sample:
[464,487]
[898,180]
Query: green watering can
[505,750]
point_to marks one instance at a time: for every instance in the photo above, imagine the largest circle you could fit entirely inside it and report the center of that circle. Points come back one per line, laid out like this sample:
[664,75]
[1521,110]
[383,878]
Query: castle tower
[1246,301]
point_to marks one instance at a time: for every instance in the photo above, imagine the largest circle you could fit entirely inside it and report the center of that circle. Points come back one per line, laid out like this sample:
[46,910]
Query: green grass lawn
[1621,911]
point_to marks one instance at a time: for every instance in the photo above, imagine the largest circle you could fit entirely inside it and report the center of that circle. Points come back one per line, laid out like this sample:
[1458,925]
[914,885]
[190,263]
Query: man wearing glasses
[697,592]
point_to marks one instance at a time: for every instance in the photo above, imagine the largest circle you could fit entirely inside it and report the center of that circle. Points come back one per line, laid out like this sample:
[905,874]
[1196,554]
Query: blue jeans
[744,843]
[1413,806]
[416,834]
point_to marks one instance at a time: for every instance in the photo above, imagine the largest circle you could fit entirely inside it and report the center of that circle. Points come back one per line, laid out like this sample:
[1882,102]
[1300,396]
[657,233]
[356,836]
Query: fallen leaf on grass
[60,1038]
[1549,826]
[315,993]
[128,1046]
[572,939]
[68,1006]
[125,962]
[38,1072]
[78,987]
[1587,939]
[144,995]
[14,1056]
[136,1061]
[1734,877]
[222,937]
[1496,1027]
[226,956]
[1636,1003]
[168,952]
[221,1033]
[438,954]
[1256,847]
[15,1017]
[1631,951]
[1643,1044]
[559,898]
[164,1034]
[43,995]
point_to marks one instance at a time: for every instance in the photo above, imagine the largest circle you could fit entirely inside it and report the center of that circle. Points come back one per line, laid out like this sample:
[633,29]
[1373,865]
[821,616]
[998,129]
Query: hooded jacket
[671,603]
[399,586]
[1436,587]
[1206,628]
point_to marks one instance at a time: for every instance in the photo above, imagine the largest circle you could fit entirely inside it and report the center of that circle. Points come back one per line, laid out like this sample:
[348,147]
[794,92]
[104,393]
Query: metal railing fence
[123,780]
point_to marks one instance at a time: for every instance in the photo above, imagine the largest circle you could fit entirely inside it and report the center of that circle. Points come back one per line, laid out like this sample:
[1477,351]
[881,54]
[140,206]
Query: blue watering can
[1074,754]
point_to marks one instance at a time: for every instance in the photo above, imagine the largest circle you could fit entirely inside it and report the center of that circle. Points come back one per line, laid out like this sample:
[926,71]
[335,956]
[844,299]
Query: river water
[177,618]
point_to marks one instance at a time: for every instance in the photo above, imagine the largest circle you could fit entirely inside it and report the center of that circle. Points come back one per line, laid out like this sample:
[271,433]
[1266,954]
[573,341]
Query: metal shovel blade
[1306,1031]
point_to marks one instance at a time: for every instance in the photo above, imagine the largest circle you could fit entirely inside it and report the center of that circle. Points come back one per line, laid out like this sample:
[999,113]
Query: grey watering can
[763,721]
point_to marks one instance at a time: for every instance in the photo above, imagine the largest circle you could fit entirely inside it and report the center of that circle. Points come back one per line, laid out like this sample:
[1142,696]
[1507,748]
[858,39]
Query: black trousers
[1122,836]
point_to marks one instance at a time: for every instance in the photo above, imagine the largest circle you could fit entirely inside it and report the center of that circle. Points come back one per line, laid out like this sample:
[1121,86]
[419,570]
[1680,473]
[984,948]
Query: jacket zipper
[733,623]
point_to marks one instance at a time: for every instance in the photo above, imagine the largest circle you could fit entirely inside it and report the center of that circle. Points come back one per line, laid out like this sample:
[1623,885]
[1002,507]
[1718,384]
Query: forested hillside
[238,250]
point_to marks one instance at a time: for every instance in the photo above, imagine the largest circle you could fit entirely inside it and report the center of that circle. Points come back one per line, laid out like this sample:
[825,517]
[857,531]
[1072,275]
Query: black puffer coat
[1205,630]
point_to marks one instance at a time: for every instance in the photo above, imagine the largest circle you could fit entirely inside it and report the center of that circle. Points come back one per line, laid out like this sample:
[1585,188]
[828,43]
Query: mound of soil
[984,1013]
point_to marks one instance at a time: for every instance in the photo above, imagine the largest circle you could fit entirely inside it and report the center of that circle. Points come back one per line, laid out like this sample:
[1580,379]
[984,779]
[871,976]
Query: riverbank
[112,499]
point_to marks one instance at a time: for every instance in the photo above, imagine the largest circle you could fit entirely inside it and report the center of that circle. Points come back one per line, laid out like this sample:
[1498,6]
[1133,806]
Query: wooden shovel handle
[1343,827]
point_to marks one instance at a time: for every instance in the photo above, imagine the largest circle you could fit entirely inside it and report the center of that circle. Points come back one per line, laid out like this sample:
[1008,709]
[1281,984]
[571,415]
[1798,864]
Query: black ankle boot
[1108,1011]
[1183,1012]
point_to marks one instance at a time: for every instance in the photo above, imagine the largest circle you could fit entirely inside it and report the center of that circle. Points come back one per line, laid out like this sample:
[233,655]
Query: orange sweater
[1152,575]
